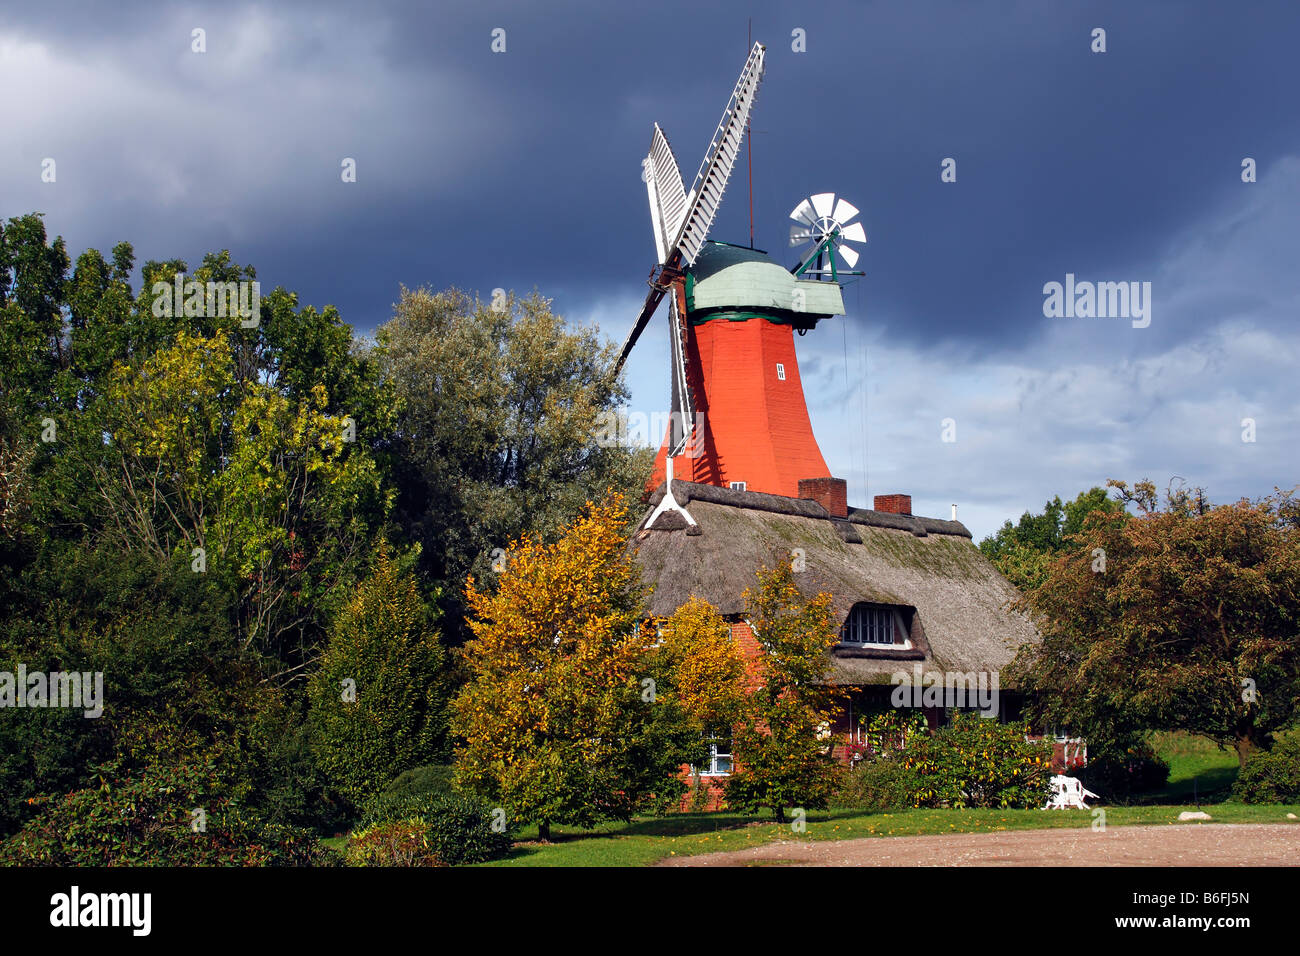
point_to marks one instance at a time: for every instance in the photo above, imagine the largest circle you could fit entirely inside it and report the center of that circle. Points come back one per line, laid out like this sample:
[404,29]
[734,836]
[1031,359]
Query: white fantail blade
[850,256]
[800,234]
[804,213]
[854,233]
[844,211]
[715,170]
[823,203]
[666,192]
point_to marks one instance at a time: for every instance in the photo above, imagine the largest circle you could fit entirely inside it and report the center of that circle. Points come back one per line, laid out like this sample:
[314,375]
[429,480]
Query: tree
[1023,551]
[561,721]
[248,483]
[1181,618]
[496,437]
[379,696]
[781,741]
[702,667]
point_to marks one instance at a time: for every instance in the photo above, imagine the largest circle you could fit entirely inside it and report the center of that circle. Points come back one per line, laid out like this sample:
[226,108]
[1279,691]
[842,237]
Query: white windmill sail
[667,194]
[682,421]
[663,183]
[715,170]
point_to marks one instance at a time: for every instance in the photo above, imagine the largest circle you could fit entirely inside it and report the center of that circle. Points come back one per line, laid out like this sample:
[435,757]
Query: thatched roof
[960,600]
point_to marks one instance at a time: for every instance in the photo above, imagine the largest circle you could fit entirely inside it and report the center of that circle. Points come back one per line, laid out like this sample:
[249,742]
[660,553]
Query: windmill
[739,418]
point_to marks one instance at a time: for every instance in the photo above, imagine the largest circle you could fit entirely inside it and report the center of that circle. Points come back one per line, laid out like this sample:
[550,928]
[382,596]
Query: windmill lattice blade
[850,256]
[642,320]
[844,211]
[715,170]
[823,203]
[854,233]
[683,406]
[667,194]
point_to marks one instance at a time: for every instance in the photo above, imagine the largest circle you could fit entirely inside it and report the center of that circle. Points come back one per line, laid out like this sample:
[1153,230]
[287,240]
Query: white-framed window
[719,764]
[870,625]
[737,486]
[780,372]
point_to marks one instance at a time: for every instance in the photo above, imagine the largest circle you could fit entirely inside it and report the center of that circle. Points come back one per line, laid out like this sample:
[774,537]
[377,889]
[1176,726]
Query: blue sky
[522,169]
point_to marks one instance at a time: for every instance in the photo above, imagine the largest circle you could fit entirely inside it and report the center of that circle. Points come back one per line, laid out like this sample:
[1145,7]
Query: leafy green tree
[1023,551]
[267,445]
[497,429]
[379,696]
[781,741]
[1174,618]
[174,682]
[267,492]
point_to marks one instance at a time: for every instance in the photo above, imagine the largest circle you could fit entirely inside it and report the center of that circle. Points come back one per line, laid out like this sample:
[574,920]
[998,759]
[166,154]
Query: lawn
[1198,768]
[647,841]
[1196,765]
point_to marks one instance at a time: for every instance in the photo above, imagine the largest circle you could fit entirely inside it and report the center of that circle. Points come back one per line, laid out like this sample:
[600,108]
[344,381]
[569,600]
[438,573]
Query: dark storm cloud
[522,170]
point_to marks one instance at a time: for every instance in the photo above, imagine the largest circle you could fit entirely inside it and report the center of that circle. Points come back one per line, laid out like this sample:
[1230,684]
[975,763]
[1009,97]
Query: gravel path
[1200,844]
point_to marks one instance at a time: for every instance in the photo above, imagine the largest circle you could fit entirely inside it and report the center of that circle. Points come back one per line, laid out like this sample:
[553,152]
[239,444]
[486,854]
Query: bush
[406,790]
[1117,771]
[429,779]
[459,827]
[876,785]
[147,821]
[979,762]
[393,714]
[1271,776]
[399,843]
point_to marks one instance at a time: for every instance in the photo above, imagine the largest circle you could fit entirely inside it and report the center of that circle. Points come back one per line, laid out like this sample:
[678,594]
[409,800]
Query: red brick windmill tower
[739,415]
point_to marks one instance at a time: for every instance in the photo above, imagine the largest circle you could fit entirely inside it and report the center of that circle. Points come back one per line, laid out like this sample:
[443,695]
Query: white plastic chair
[1068,793]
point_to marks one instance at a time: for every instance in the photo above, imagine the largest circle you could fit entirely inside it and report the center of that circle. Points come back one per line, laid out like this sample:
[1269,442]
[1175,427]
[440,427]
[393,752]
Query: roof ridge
[807,508]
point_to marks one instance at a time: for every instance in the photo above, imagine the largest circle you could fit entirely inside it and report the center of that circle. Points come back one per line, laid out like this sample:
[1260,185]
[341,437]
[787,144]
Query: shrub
[1117,771]
[979,762]
[461,829]
[458,827]
[876,785]
[382,642]
[888,732]
[1271,776]
[431,778]
[396,843]
[146,821]
[406,789]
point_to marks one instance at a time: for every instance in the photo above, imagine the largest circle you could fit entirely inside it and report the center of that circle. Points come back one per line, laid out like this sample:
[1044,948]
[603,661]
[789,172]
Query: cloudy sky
[521,169]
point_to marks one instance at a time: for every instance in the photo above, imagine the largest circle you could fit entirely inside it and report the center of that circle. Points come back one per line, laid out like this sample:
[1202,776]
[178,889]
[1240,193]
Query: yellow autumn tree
[782,752]
[703,666]
[561,721]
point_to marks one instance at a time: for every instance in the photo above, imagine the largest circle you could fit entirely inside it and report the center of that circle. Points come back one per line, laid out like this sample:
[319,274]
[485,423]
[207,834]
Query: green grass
[650,840]
[1195,763]
[1197,766]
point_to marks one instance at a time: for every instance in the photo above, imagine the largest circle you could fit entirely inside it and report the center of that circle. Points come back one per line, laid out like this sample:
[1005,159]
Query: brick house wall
[706,792]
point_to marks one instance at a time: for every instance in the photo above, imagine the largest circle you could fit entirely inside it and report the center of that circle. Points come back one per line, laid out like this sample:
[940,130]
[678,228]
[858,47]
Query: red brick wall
[750,650]
[894,504]
[831,493]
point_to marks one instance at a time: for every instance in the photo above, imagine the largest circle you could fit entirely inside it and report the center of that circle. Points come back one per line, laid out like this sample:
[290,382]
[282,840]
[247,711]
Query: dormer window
[874,625]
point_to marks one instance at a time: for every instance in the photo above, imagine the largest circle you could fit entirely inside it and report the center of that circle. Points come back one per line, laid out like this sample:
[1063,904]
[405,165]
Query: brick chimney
[894,504]
[831,493]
